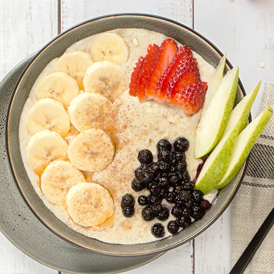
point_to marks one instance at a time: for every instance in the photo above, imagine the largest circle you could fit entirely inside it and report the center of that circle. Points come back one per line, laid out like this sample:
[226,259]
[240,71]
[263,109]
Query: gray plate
[56,48]
[19,224]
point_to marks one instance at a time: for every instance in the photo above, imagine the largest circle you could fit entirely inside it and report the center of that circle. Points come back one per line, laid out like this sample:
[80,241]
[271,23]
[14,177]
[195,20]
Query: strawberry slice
[183,52]
[191,97]
[135,76]
[149,60]
[167,51]
[186,73]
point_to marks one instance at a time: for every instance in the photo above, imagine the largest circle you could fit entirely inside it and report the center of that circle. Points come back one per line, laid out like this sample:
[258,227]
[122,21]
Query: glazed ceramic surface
[56,48]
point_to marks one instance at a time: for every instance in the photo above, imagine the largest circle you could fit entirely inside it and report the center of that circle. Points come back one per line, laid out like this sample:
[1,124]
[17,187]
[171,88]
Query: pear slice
[242,110]
[213,122]
[214,83]
[218,161]
[244,144]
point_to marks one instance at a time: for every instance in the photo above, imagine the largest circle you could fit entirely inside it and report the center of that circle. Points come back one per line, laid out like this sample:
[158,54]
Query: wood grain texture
[243,29]
[212,248]
[178,10]
[181,258]
[25,28]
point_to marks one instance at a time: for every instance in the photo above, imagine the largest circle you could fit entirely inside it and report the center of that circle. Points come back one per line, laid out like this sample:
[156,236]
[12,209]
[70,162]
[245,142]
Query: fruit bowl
[56,48]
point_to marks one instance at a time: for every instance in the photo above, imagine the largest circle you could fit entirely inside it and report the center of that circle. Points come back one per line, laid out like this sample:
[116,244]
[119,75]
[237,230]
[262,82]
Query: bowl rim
[13,169]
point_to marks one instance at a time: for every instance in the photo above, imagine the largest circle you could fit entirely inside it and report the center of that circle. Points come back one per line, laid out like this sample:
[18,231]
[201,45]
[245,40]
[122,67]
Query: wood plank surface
[25,27]
[175,260]
[180,11]
[242,28]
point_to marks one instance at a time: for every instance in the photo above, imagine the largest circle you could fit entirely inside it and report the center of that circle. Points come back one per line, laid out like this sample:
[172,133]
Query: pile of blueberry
[167,179]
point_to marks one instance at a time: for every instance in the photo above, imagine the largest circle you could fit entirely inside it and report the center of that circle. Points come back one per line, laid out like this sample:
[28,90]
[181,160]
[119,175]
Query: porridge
[81,131]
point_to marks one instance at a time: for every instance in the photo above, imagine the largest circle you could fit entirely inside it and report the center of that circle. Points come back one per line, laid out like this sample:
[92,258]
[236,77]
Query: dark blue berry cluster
[168,179]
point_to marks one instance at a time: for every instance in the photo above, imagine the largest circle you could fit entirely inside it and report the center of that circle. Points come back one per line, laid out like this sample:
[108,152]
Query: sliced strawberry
[191,98]
[186,73]
[162,85]
[167,51]
[135,76]
[149,60]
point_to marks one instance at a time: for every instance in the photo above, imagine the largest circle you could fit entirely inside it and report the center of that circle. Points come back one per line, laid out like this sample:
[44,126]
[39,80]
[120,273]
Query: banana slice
[58,86]
[90,110]
[58,177]
[107,79]
[91,150]
[89,204]
[48,114]
[44,147]
[75,64]
[109,47]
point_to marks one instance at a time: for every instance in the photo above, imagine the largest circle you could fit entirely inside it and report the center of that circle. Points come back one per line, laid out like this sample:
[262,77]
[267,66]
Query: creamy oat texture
[136,126]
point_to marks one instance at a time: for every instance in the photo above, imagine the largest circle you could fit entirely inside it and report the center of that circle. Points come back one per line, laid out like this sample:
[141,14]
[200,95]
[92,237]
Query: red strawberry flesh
[149,60]
[186,73]
[169,73]
[135,76]
[191,98]
[167,51]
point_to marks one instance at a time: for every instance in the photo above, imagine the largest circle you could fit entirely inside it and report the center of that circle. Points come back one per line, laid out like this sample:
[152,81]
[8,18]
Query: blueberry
[139,173]
[184,221]
[147,214]
[158,230]
[197,212]
[189,204]
[164,155]
[155,189]
[164,182]
[205,204]
[145,156]
[173,227]
[153,199]
[197,195]
[186,212]
[137,185]
[163,144]
[186,177]
[183,196]
[156,209]
[128,211]
[181,167]
[153,168]
[163,193]
[177,211]
[127,200]
[188,186]
[170,197]
[163,215]
[177,189]
[147,177]
[174,178]
[163,166]
[143,200]
[181,144]
[180,156]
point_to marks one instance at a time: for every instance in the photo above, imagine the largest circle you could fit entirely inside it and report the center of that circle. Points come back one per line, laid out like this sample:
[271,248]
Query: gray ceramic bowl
[55,49]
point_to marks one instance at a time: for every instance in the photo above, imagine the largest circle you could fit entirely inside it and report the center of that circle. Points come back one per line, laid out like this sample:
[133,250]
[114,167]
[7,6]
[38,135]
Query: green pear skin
[213,122]
[216,164]
[242,110]
[244,144]
[214,82]
[218,161]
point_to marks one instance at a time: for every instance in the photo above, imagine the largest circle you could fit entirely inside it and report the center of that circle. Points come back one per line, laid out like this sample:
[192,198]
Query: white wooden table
[242,28]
